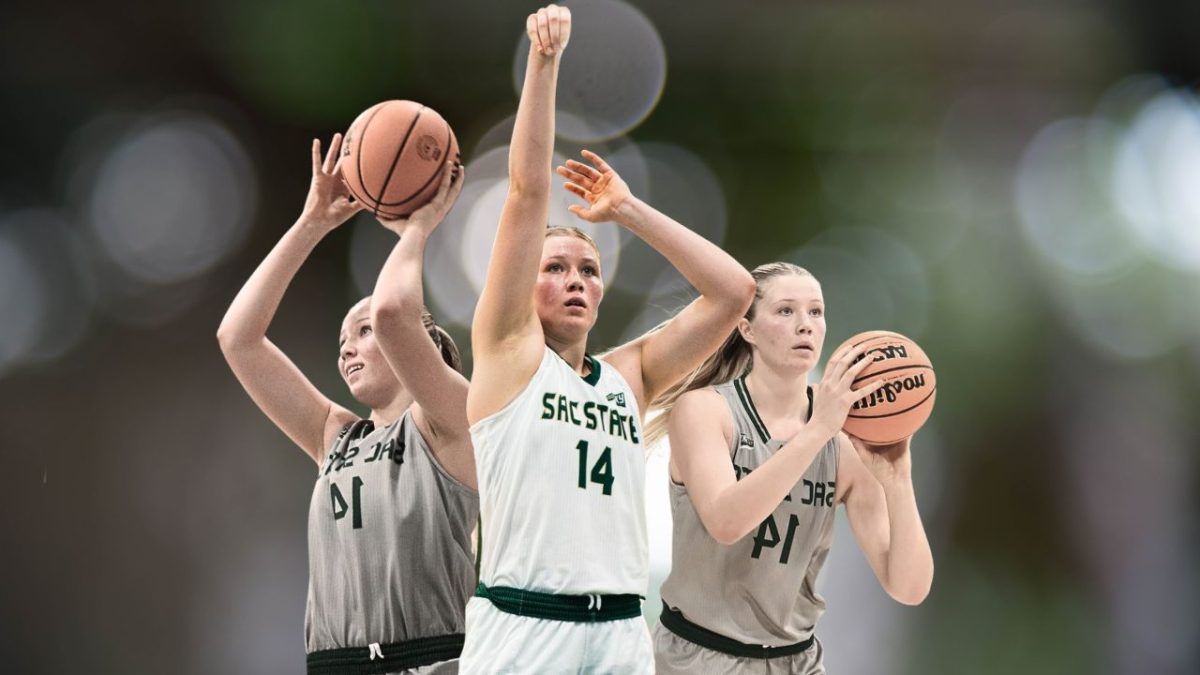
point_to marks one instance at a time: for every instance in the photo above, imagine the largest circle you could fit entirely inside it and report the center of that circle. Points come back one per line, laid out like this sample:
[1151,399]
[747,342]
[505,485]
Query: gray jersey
[761,589]
[389,541]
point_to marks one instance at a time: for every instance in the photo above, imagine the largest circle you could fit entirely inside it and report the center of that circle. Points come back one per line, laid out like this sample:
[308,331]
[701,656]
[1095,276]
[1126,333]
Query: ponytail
[442,340]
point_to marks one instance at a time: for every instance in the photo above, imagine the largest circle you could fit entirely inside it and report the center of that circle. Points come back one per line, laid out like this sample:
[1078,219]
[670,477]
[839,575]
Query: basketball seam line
[362,137]
[396,160]
[436,175]
[890,370]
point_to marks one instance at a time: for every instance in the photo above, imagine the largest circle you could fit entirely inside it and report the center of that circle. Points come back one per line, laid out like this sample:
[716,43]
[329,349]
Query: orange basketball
[898,409]
[393,156]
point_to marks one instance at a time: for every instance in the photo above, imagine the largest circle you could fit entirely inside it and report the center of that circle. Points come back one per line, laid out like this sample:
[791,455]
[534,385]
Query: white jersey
[561,484]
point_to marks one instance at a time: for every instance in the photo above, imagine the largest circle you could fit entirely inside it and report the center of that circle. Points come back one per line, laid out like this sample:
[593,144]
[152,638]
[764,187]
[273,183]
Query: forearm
[399,289]
[741,507]
[909,560]
[255,305]
[532,149]
[712,271]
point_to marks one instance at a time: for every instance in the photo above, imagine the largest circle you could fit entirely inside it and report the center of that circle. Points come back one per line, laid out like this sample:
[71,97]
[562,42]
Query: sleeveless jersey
[761,589]
[389,541]
[562,485]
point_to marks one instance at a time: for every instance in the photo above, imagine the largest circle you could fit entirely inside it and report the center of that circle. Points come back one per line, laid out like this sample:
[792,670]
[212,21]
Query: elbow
[744,289]
[738,293]
[229,339]
[911,594]
[387,309]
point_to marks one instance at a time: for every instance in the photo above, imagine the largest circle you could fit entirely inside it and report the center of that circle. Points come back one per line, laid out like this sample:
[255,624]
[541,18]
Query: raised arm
[275,384]
[505,334]
[701,429]
[882,509]
[397,308]
[660,358]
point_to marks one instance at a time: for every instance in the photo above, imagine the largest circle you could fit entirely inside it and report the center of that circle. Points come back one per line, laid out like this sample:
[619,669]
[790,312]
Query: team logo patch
[745,442]
[619,398]
[427,148]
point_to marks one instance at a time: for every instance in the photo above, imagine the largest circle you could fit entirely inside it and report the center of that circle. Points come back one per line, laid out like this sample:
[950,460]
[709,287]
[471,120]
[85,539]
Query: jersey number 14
[601,471]
[340,507]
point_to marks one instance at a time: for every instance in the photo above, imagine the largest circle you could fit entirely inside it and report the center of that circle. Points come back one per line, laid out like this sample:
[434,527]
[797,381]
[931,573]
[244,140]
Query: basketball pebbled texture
[393,156]
[898,409]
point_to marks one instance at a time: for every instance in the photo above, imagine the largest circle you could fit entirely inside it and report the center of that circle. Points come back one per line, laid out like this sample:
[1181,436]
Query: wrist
[817,434]
[311,223]
[897,484]
[630,213]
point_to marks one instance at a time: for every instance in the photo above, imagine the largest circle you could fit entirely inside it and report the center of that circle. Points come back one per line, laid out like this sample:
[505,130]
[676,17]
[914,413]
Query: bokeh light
[23,300]
[682,186]
[612,72]
[1156,179]
[171,197]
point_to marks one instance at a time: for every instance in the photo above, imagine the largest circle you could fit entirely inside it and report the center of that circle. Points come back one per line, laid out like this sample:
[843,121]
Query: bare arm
[701,430]
[275,384]
[661,358]
[505,334]
[397,304]
[882,509]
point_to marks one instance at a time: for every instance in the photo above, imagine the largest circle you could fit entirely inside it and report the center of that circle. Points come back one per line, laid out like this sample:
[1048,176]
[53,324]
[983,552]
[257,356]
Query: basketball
[393,156]
[898,409]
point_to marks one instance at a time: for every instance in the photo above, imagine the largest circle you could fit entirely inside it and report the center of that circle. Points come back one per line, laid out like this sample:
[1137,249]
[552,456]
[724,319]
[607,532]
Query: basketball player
[758,464]
[557,432]
[389,525]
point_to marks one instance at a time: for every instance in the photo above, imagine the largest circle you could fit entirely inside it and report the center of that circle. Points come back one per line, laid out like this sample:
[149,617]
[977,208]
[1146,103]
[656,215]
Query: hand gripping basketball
[549,29]
[428,217]
[833,395]
[329,203]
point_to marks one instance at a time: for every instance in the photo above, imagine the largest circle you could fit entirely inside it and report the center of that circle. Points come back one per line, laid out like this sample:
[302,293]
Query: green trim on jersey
[590,608]
[594,376]
[739,385]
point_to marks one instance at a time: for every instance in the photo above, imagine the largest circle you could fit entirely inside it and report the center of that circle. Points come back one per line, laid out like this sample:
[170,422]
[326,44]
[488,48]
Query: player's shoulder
[705,403]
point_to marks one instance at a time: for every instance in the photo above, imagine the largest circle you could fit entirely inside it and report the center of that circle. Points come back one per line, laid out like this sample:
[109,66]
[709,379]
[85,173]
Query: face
[360,362]
[569,288]
[788,328]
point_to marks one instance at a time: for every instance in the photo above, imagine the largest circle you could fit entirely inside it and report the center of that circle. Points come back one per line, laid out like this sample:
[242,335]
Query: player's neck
[571,352]
[778,395]
[393,410]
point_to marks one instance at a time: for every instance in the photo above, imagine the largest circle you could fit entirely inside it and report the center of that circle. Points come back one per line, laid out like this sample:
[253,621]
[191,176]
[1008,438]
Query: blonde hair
[569,231]
[732,360]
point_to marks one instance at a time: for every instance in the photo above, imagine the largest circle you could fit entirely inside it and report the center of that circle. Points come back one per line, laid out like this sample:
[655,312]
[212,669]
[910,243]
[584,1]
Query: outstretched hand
[329,202]
[429,216]
[549,29]
[600,187]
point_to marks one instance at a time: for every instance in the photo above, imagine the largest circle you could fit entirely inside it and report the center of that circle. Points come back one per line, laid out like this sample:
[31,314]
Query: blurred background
[1016,185]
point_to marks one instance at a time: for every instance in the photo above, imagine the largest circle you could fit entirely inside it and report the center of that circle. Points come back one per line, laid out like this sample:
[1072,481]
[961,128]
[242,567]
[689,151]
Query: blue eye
[786,311]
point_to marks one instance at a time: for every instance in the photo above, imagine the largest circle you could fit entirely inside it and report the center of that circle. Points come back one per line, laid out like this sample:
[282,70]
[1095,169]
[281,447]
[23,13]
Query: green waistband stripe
[575,608]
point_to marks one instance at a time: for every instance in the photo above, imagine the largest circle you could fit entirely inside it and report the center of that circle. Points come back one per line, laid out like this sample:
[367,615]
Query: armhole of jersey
[427,448]
[337,439]
[515,399]
[632,395]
